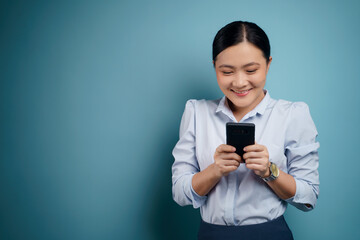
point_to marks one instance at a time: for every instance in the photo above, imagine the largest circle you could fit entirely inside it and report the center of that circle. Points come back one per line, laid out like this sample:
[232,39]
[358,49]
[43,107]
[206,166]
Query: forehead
[241,54]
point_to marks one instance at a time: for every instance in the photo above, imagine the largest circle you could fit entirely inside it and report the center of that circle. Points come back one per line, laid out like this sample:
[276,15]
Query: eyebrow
[246,65]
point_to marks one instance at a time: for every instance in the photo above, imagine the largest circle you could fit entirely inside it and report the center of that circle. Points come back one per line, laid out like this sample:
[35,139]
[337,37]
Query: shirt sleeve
[302,153]
[185,165]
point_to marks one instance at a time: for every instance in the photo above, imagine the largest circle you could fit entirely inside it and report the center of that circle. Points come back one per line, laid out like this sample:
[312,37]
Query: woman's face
[241,74]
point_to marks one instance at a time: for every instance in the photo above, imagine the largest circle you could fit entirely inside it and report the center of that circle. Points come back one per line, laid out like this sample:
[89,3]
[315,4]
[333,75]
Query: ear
[268,64]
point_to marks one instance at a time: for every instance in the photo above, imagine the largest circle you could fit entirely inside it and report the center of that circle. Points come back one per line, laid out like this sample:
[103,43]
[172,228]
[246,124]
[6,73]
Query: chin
[242,103]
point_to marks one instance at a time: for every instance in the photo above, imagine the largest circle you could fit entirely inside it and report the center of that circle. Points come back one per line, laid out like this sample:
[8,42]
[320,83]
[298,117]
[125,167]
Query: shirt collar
[259,109]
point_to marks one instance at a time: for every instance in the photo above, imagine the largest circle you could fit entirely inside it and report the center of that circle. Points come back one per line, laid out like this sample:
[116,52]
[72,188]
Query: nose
[239,80]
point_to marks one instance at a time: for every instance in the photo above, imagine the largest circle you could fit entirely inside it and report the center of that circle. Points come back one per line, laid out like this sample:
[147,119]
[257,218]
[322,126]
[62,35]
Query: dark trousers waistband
[276,229]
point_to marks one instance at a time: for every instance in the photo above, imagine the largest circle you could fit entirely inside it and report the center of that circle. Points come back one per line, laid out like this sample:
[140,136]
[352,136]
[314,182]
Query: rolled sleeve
[303,159]
[185,165]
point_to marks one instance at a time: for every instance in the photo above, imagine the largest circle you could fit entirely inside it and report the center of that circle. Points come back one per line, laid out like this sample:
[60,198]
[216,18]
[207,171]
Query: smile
[241,93]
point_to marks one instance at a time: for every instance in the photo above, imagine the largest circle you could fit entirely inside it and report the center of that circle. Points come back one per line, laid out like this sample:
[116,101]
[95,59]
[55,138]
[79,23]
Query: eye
[227,73]
[251,71]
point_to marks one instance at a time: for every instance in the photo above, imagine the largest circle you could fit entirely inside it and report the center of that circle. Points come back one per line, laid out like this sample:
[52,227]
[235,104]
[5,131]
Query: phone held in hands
[240,135]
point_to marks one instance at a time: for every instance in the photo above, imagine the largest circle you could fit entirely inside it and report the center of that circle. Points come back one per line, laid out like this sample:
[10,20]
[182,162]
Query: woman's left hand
[257,159]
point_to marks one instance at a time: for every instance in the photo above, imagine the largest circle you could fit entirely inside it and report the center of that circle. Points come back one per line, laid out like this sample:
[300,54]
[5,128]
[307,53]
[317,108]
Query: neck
[240,112]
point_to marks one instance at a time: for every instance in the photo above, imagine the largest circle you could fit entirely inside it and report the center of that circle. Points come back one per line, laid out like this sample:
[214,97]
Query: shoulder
[201,105]
[291,114]
[290,108]
[197,111]
[296,116]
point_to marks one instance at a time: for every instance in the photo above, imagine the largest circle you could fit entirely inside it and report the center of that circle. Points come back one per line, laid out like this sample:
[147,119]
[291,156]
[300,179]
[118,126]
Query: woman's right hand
[225,160]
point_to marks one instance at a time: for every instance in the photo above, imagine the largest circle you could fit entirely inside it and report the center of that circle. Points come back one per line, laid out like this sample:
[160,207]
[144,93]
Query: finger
[259,161]
[255,155]
[230,156]
[231,163]
[251,166]
[228,169]
[225,148]
[254,148]
[257,167]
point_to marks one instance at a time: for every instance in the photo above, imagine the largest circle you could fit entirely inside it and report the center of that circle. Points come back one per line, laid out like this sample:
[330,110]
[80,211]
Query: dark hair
[237,32]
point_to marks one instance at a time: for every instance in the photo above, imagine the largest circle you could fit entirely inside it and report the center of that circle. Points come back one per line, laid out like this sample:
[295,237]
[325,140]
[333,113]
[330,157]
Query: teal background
[92,93]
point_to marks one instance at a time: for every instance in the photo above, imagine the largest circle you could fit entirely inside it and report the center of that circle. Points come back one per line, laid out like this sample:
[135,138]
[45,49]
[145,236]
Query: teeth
[241,91]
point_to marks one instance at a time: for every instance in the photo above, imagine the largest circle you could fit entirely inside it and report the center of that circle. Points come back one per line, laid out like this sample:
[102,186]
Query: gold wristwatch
[274,172]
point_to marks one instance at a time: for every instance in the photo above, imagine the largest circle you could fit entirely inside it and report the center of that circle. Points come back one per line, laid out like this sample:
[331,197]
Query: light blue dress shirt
[242,197]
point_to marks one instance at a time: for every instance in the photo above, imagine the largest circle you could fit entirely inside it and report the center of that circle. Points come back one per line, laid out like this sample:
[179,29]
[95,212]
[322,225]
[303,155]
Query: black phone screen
[240,135]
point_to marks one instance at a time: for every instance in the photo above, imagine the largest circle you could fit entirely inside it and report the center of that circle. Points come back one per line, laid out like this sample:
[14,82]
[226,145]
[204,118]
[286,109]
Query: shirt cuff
[196,199]
[304,198]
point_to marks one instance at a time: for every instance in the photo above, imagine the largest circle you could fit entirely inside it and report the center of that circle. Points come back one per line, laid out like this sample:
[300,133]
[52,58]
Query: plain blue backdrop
[92,94]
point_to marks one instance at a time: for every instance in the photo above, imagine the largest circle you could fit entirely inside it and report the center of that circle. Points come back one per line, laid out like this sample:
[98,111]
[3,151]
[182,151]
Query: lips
[241,93]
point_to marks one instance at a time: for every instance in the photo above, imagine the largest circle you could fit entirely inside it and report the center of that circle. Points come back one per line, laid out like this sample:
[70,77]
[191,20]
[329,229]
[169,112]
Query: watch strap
[272,176]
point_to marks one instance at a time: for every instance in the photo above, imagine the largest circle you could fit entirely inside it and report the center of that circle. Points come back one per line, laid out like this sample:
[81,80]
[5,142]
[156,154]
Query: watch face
[274,170]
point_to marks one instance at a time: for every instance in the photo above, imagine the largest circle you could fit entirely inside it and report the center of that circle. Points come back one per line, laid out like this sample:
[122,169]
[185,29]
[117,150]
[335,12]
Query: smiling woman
[246,75]
[242,80]
[245,197]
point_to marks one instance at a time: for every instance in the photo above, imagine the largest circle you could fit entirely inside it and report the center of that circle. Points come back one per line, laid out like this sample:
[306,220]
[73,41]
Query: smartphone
[240,135]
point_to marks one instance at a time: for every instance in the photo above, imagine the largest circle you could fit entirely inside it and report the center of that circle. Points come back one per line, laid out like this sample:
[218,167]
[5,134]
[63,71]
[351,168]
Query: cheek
[221,80]
[258,80]
[217,76]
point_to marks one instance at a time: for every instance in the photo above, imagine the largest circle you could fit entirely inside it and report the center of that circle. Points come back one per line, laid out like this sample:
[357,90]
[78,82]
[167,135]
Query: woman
[245,198]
